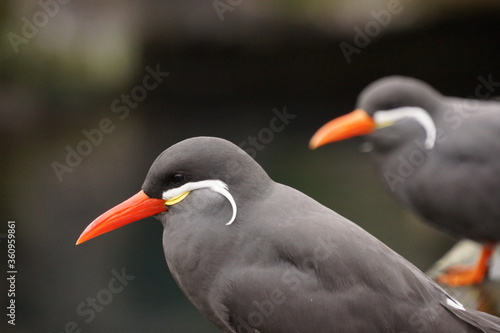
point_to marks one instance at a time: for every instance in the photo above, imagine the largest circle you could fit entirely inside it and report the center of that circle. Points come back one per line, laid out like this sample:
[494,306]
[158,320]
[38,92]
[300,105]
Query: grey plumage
[287,264]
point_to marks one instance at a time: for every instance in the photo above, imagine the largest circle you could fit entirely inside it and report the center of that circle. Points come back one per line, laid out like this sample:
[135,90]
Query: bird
[254,255]
[438,155]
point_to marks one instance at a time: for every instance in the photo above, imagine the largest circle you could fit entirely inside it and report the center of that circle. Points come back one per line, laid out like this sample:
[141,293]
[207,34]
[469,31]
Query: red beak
[135,208]
[358,122]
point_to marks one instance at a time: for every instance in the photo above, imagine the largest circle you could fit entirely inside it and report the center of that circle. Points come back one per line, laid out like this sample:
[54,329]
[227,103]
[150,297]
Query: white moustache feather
[211,184]
[420,115]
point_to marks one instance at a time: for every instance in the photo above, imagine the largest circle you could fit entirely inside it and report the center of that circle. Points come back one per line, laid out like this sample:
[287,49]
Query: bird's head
[397,104]
[203,163]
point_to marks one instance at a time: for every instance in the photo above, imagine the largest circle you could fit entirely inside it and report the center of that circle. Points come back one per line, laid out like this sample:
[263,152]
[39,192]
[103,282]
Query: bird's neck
[400,166]
[196,260]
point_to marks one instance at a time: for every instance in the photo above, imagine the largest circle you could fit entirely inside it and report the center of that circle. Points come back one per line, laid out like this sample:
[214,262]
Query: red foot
[465,276]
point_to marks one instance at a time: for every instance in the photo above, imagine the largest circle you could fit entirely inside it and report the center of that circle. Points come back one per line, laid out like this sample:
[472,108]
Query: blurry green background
[64,64]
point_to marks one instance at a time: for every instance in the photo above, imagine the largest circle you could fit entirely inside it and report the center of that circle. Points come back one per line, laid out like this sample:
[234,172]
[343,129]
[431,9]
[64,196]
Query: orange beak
[135,208]
[358,122]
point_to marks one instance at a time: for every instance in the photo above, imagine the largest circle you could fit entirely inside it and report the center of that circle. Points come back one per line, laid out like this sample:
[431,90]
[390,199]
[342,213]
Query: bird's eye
[178,178]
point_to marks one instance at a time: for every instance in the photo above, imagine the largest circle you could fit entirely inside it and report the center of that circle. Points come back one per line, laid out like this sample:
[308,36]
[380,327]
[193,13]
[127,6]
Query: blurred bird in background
[438,155]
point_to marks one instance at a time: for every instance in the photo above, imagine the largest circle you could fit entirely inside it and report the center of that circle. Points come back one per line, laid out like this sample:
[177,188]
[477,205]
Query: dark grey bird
[257,256]
[438,155]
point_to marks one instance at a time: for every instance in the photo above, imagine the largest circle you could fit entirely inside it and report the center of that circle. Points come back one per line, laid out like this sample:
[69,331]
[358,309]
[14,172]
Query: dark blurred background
[67,66]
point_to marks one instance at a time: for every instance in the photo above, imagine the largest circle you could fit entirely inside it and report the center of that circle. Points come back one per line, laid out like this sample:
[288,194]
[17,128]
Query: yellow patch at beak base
[384,124]
[176,199]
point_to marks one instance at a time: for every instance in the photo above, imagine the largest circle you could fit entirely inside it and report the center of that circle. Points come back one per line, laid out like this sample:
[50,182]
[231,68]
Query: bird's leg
[464,276]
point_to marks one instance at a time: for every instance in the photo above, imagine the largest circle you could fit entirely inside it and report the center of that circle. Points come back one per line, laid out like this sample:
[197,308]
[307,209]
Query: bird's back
[307,269]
